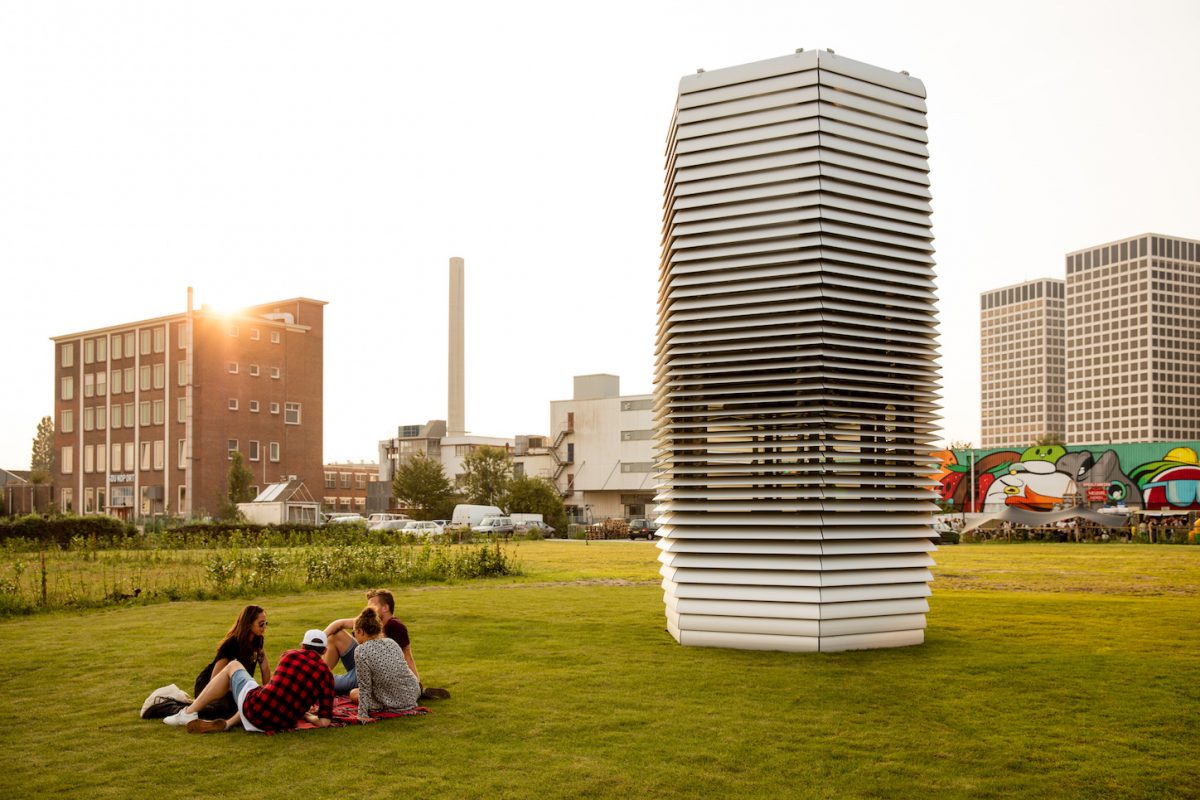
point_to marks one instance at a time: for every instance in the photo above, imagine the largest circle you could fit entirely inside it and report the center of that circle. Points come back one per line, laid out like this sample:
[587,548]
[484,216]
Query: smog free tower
[795,387]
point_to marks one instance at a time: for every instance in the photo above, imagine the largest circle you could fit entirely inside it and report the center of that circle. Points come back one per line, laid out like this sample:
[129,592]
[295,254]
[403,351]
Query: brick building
[345,487]
[149,413]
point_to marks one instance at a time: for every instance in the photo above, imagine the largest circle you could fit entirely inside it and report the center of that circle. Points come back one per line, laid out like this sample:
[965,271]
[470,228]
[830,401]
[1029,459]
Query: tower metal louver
[795,386]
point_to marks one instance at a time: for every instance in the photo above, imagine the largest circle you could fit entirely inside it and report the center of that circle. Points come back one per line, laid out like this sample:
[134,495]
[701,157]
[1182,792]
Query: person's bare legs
[217,687]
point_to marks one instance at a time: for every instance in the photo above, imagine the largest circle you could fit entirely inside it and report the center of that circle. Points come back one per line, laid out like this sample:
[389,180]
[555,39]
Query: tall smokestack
[456,384]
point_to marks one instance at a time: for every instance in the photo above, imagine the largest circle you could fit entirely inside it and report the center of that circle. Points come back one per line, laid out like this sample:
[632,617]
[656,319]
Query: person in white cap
[300,680]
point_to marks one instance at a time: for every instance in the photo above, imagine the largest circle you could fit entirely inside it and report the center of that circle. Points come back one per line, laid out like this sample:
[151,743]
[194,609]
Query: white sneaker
[182,718]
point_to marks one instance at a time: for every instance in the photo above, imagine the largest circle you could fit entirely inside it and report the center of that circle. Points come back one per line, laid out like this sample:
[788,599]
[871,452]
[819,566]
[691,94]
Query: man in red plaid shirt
[301,679]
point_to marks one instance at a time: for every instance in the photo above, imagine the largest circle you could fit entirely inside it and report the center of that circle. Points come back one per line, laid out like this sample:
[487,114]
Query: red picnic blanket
[345,712]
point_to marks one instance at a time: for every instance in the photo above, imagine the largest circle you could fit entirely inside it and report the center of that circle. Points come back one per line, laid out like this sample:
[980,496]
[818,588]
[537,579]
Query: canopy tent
[1019,516]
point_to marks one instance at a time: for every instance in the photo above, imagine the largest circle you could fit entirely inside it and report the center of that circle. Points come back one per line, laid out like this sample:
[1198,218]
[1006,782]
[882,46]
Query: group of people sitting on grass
[373,647]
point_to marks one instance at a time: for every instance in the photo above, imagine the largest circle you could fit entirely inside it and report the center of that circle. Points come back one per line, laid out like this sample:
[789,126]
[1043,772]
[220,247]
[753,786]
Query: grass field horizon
[1048,671]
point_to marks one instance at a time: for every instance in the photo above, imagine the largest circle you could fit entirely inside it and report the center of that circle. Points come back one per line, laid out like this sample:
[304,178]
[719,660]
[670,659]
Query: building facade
[600,455]
[149,413]
[346,487]
[1123,370]
[796,383]
[1133,309]
[1022,363]
[431,440]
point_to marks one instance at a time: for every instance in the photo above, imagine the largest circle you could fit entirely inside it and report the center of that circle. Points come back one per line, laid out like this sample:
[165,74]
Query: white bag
[170,691]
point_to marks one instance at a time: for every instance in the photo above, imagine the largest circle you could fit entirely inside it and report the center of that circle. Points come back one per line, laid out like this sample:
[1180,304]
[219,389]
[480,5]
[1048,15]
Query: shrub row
[98,532]
[60,530]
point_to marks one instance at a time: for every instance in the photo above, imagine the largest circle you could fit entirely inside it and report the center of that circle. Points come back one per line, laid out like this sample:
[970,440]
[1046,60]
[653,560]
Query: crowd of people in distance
[373,648]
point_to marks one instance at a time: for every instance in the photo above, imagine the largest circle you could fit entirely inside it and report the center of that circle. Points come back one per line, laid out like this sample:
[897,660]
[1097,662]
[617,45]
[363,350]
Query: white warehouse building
[600,455]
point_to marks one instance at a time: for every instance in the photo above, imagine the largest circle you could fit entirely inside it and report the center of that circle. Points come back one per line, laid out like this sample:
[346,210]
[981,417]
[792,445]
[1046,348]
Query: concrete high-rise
[1022,363]
[1133,340]
[1130,342]
[795,388]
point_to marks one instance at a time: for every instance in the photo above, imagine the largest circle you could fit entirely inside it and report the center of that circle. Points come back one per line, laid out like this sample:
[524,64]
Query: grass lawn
[1048,671]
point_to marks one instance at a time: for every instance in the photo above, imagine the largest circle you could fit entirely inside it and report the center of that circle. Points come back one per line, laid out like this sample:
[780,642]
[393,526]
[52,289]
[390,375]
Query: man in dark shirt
[342,643]
[300,680]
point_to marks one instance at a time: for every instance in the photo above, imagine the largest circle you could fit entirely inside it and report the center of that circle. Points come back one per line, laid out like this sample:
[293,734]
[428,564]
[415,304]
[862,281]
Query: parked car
[642,529]
[423,528]
[534,525]
[391,525]
[494,525]
[381,516]
[346,519]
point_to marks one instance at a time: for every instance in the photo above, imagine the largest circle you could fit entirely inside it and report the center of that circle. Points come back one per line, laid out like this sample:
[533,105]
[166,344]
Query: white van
[470,516]
[378,517]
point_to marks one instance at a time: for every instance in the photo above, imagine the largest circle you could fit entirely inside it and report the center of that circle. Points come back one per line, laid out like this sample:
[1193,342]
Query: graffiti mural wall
[1156,476]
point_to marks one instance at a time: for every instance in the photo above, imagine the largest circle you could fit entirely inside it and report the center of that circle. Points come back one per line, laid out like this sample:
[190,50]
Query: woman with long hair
[385,681]
[245,643]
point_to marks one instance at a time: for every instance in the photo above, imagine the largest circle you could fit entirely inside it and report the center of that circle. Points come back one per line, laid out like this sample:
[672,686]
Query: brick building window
[273,451]
[291,413]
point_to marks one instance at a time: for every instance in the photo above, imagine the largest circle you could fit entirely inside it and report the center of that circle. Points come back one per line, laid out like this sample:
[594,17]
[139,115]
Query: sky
[259,151]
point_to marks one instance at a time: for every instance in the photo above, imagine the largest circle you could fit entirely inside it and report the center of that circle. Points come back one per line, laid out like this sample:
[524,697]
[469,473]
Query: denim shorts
[240,684]
[342,684]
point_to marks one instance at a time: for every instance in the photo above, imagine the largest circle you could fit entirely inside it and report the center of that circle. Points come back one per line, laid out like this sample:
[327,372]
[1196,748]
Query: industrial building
[149,413]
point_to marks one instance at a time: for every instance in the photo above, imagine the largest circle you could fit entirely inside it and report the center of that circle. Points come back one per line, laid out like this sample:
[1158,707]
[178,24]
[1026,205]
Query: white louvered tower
[795,389]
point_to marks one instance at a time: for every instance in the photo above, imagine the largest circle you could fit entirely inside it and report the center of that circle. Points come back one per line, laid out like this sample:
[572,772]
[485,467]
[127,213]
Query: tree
[238,481]
[485,477]
[41,462]
[960,444]
[421,484]
[1049,440]
[536,496]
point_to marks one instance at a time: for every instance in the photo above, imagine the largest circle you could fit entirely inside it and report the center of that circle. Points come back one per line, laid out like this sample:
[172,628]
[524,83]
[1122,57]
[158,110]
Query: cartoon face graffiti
[1032,483]
[1173,483]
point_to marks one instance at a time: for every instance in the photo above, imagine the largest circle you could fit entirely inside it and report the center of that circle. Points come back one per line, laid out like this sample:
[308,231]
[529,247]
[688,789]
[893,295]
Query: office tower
[1132,314]
[1022,363]
[149,413]
[795,383]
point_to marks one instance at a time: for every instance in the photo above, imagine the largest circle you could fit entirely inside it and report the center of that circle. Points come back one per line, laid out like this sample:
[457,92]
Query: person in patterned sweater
[300,681]
[385,682]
